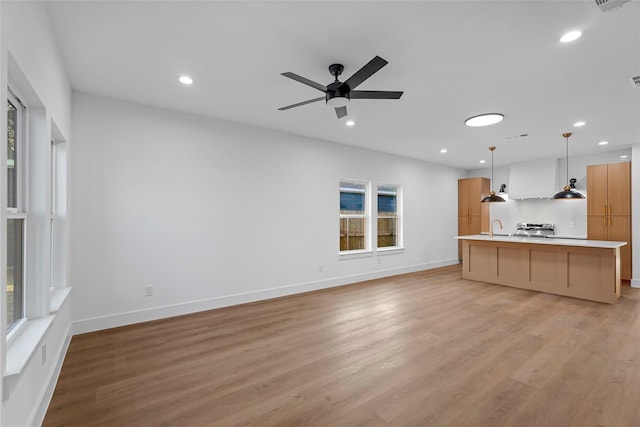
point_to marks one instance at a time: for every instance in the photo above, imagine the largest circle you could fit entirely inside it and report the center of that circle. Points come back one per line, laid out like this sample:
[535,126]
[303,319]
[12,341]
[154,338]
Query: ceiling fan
[338,94]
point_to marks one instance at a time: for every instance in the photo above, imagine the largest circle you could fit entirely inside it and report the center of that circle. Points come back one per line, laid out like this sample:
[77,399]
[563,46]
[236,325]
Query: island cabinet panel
[509,263]
[473,215]
[546,268]
[609,208]
[591,273]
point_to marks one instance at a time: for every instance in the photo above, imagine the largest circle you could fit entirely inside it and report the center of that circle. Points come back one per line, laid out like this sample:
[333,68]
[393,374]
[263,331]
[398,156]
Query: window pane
[15,282]
[387,200]
[352,200]
[12,135]
[387,232]
[352,233]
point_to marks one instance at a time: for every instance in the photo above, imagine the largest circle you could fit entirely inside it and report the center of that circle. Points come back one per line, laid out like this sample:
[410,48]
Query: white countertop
[547,241]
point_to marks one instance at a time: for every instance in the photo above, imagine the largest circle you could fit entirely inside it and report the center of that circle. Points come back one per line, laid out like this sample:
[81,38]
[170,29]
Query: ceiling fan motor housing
[337,94]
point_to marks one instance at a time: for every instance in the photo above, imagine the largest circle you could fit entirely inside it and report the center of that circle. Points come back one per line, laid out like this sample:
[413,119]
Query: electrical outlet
[572,224]
[320,269]
[44,353]
[148,291]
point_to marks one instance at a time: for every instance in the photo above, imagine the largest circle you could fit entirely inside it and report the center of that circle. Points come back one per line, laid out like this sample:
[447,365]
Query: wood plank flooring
[421,349]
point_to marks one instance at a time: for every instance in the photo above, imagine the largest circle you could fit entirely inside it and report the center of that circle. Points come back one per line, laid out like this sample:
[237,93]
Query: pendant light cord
[567,138]
[491,170]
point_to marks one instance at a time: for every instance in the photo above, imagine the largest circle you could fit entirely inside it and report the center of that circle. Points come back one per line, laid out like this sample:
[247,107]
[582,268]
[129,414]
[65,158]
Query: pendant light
[568,193]
[492,195]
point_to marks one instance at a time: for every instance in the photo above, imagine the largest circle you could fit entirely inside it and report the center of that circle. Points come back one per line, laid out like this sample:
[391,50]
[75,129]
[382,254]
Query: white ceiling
[453,60]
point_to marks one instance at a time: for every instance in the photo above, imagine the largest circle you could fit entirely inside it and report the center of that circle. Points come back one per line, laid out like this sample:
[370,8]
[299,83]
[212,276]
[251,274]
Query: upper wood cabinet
[609,208]
[473,215]
[471,191]
[609,189]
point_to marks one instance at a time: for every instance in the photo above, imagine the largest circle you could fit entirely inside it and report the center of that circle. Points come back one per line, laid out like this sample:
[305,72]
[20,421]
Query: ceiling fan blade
[374,94]
[341,112]
[365,72]
[306,81]
[302,103]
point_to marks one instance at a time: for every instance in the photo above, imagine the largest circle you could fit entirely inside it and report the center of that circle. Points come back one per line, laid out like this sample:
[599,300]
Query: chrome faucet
[491,228]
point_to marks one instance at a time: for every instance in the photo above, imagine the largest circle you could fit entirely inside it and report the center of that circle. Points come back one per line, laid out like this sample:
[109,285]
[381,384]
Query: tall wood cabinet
[473,216]
[609,208]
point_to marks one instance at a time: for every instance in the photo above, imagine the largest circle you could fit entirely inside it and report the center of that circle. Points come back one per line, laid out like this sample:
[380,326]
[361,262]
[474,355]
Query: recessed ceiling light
[579,124]
[570,36]
[624,156]
[350,123]
[186,80]
[483,161]
[444,150]
[603,142]
[484,120]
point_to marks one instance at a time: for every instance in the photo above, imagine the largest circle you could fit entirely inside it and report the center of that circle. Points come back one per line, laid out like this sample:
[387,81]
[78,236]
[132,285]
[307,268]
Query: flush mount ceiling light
[444,150]
[484,120]
[579,124]
[570,36]
[567,192]
[186,80]
[350,123]
[603,142]
[483,161]
[492,195]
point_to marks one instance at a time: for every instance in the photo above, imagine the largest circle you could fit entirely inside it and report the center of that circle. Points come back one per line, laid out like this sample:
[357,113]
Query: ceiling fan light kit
[338,94]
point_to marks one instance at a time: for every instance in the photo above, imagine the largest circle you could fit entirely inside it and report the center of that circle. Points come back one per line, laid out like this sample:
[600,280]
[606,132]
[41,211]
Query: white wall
[35,68]
[212,213]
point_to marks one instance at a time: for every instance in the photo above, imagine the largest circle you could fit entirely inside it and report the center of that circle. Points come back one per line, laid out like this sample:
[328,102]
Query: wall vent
[607,5]
[635,81]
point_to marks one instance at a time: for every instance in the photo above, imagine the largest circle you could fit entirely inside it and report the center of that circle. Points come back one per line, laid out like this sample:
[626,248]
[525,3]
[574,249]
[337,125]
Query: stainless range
[527,229]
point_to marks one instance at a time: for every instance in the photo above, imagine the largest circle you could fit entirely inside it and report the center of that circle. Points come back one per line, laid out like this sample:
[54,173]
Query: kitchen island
[588,269]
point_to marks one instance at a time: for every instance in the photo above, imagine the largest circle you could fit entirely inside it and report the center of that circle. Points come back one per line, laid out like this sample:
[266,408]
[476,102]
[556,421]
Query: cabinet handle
[605,209]
[604,221]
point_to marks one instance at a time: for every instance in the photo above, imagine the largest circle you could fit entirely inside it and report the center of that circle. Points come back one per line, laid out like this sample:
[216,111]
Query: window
[388,217]
[354,216]
[16,213]
[57,213]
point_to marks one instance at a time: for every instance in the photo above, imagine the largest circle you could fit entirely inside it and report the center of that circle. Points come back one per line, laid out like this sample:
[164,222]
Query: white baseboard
[128,318]
[41,410]
[635,283]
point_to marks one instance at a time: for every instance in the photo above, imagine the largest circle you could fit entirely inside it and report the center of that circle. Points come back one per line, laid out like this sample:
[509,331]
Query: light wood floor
[422,349]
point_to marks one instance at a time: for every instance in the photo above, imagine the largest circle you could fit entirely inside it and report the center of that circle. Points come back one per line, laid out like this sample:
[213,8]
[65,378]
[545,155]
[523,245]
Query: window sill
[355,254]
[21,349]
[390,251]
[58,297]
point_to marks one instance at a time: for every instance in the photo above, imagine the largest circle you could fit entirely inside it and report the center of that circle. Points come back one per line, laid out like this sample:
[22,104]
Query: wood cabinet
[589,272]
[473,216]
[609,208]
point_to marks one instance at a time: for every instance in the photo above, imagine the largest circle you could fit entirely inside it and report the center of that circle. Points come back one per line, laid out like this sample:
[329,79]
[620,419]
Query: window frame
[397,217]
[57,215]
[19,212]
[366,251]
